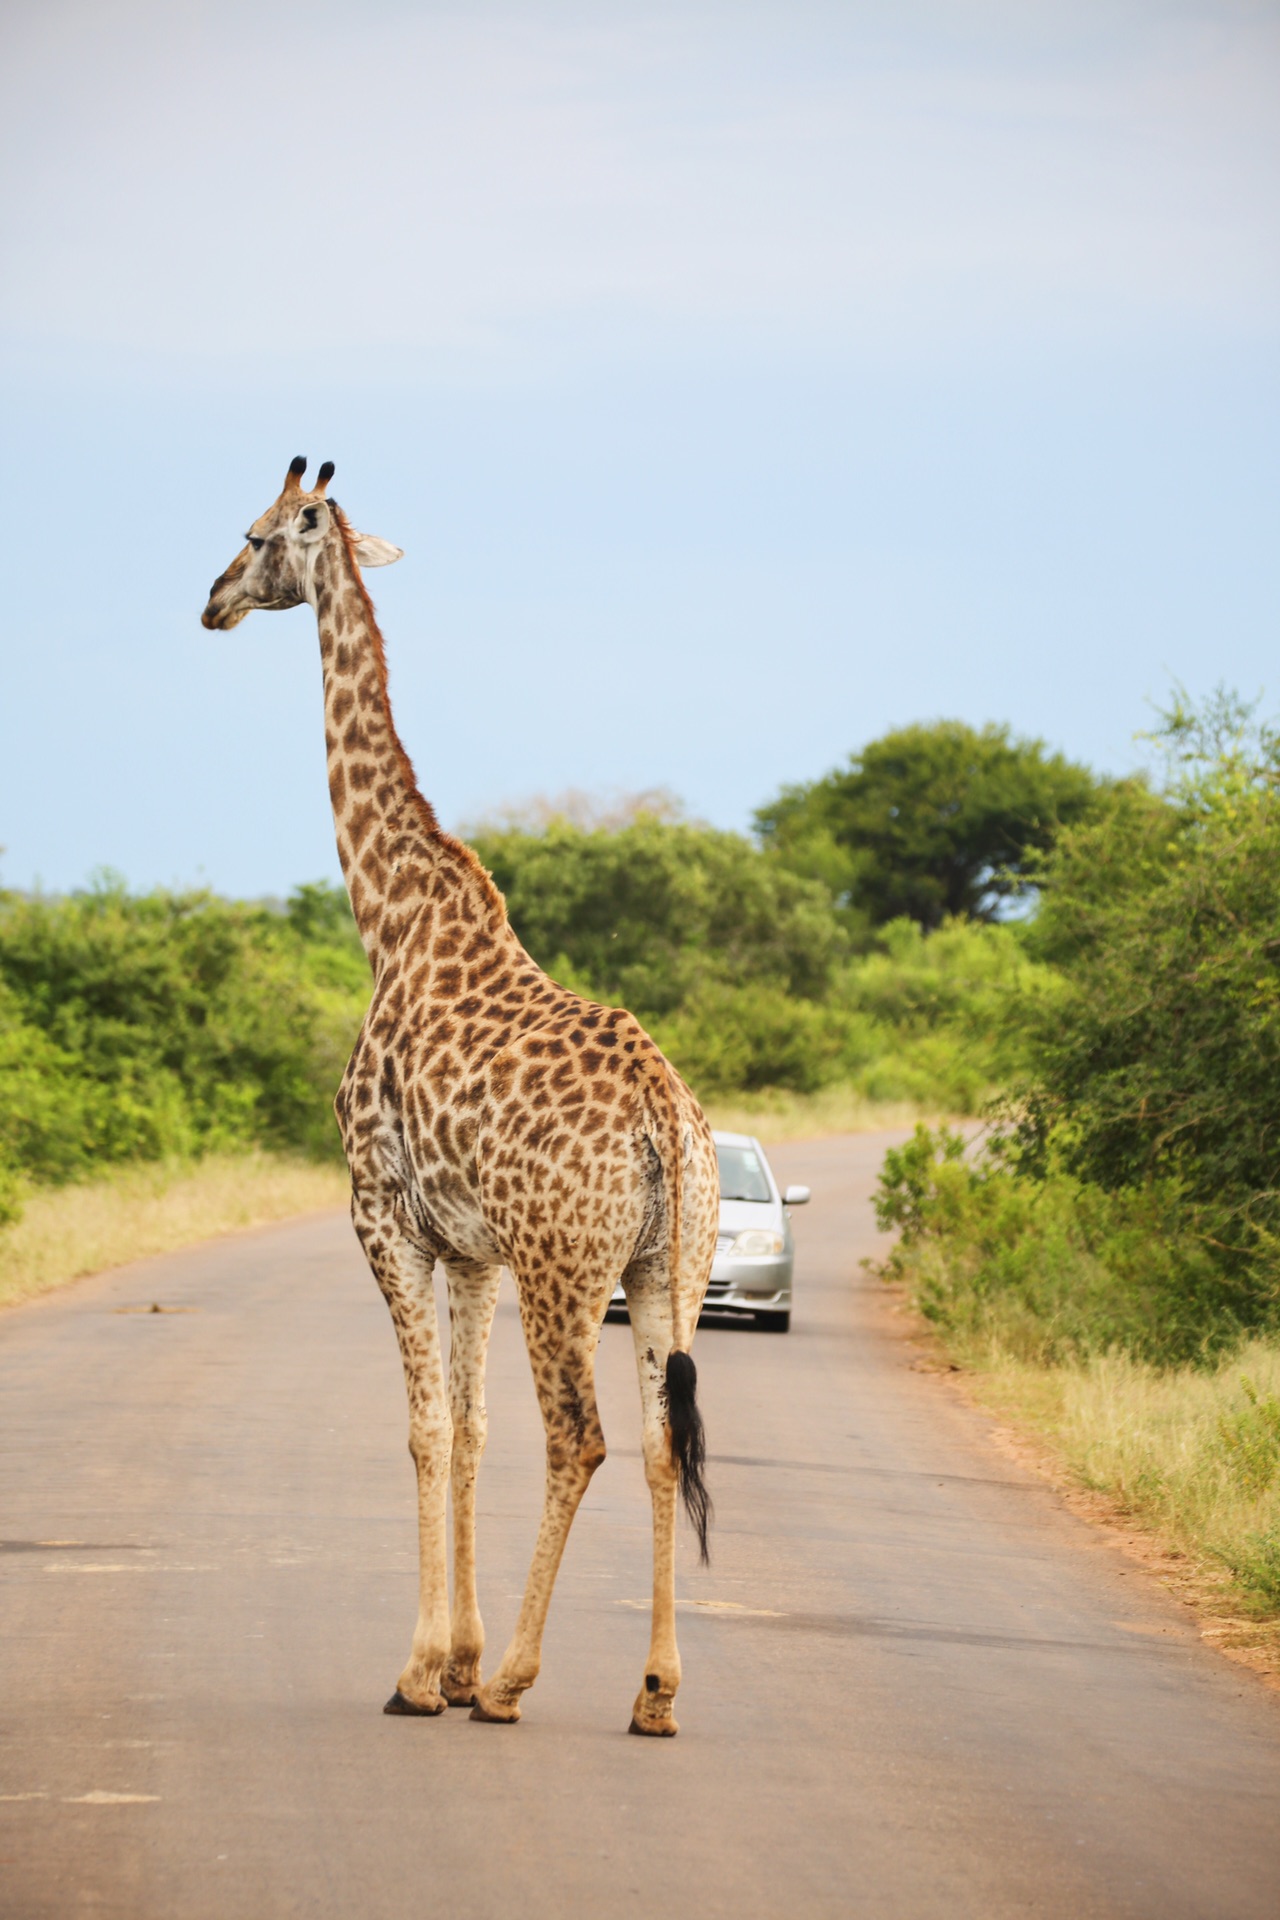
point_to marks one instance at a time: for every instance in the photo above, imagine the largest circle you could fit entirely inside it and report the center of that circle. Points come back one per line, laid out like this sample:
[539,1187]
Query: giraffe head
[276,568]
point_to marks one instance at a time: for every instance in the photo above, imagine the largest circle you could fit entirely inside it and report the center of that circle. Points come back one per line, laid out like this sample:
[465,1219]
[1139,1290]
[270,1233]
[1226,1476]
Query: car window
[741,1175]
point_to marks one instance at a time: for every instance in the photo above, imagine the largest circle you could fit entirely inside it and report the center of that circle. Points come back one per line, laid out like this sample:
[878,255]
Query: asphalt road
[914,1684]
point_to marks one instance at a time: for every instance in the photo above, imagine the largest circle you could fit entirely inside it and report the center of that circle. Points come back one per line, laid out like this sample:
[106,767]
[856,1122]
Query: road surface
[914,1684]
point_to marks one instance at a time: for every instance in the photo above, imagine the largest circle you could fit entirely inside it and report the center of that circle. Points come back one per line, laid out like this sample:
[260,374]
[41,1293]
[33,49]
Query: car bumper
[758,1284]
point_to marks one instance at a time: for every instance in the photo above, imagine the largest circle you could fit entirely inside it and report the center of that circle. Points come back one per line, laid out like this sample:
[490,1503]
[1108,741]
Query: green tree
[646,912]
[929,822]
[1129,1192]
[1162,1060]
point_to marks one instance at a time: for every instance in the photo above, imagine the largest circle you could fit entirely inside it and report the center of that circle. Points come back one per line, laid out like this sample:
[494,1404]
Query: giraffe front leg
[649,1307]
[404,1276]
[473,1295]
[564,1375]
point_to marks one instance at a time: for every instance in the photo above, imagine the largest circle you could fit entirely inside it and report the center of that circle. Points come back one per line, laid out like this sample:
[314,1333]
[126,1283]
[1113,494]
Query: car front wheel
[773,1322]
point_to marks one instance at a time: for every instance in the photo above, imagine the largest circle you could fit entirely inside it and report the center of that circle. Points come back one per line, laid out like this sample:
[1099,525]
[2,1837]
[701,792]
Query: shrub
[650,912]
[1132,1194]
[139,1027]
[727,1039]
[1251,1438]
[940,1004]
[1158,1062]
[745,971]
[1054,1268]
[1255,1561]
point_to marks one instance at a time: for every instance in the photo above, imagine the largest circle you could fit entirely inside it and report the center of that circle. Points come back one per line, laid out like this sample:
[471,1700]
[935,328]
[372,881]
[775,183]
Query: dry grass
[76,1230]
[1191,1457]
[779,1115]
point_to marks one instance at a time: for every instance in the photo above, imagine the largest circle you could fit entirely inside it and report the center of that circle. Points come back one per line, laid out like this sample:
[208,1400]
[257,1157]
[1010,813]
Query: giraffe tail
[684,1418]
[688,1443]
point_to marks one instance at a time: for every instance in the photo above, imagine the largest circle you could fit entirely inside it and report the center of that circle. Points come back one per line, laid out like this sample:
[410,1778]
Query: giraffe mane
[448,843]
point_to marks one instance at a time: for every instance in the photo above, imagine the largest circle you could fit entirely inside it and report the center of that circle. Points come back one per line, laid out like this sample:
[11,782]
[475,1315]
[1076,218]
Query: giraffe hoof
[655,1730]
[398,1704]
[459,1696]
[505,1718]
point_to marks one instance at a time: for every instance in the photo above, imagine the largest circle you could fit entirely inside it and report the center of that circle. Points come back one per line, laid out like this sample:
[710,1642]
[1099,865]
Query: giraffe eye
[255,543]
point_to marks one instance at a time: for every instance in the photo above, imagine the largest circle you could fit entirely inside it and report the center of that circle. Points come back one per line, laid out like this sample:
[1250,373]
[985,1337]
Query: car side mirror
[796,1197]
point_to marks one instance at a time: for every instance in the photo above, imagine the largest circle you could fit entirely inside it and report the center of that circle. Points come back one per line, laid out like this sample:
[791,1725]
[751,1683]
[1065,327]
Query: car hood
[736,1215]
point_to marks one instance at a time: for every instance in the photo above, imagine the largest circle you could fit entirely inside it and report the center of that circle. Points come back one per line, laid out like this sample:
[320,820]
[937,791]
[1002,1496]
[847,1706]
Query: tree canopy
[1162,1058]
[639,915]
[1129,1196]
[930,822]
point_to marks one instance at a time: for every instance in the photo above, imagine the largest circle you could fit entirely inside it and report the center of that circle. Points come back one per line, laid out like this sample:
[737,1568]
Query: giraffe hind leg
[473,1295]
[563,1362]
[649,1307]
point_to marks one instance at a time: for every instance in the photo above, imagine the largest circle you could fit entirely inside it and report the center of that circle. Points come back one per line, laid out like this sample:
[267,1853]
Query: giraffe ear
[372,552]
[312,522]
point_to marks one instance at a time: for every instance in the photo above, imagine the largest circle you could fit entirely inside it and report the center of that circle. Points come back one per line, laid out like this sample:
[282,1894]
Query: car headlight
[756,1240]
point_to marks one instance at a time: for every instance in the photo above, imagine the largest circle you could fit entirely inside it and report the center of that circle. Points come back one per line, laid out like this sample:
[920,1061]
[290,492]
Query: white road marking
[710,1606]
[120,1566]
[99,1798]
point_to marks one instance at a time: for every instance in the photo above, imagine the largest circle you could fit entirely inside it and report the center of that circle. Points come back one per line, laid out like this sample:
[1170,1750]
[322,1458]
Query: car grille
[717,1288]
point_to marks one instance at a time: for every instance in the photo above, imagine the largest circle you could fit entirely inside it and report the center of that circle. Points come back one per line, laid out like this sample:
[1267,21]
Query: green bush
[940,1004]
[1251,1438]
[746,972]
[1131,1194]
[728,1039]
[1256,1564]
[55,1120]
[1054,1268]
[1160,1059]
[652,911]
[142,1027]
[169,1025]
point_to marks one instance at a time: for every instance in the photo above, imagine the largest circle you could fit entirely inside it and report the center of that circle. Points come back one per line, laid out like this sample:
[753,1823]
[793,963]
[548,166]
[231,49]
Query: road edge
[1197,1584]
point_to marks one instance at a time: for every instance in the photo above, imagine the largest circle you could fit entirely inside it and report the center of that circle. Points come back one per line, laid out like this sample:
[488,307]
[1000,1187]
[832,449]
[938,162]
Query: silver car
[755,1253]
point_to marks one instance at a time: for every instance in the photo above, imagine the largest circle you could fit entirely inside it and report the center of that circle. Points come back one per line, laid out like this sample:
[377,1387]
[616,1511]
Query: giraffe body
[490,1118]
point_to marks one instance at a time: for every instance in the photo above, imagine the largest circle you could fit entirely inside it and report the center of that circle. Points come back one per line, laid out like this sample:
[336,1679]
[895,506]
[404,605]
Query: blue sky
[740,381]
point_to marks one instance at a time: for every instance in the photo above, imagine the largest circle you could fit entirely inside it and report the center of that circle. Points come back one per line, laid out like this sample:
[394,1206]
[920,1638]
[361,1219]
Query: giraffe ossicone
[491,1118]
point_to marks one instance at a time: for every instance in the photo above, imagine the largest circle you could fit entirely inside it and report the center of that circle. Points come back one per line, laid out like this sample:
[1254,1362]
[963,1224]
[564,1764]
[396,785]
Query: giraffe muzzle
[221,619]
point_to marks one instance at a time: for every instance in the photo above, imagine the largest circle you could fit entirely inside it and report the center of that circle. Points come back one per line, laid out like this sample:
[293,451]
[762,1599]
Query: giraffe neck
[389,842]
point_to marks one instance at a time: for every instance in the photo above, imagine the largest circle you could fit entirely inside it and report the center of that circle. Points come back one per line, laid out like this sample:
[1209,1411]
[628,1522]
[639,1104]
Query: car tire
[773,1322]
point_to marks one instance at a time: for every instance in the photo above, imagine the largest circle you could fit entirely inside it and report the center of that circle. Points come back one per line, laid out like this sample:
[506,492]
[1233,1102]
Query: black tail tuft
[688,1443]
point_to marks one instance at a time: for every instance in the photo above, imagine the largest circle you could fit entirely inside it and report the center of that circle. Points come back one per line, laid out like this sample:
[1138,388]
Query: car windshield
[741,1175]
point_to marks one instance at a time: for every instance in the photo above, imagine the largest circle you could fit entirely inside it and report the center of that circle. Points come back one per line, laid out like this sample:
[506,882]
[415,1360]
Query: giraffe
[491,1118]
